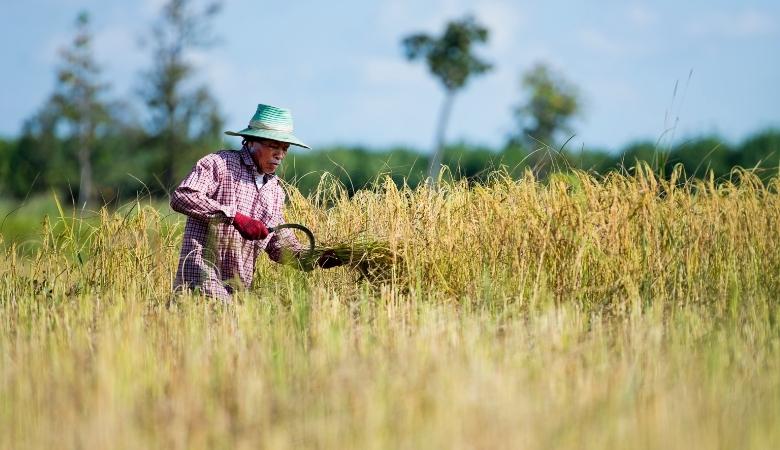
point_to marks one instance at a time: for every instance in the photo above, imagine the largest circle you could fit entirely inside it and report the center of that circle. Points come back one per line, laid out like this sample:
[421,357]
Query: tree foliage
[702,155]
[182,117]
[77,103]
[451,59]
[552,103]
[761,152]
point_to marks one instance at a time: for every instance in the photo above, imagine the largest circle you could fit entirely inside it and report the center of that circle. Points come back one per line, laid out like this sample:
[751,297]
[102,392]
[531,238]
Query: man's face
[268,154]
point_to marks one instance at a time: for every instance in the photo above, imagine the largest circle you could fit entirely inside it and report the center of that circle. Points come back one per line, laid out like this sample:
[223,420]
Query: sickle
[296,226]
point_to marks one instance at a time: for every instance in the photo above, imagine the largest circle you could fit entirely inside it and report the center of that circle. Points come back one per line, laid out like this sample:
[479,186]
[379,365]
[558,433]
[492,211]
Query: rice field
[583,312]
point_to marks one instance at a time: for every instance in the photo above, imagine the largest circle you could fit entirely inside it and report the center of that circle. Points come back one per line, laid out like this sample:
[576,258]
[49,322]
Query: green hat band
[273,127]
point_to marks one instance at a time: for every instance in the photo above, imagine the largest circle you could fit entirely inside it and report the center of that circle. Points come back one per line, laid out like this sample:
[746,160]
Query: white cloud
[226,81]
[753,22]
[151,8]
[117,46]
[539,51]
[613,91]
[598,42]
[641,15]
[391,72]
[502,18]
[745,23]
[49,54]
[443,11]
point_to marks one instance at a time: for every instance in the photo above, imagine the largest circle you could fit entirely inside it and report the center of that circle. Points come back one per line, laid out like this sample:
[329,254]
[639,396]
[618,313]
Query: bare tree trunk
[168,166]
[444,115]
[170,147]
[85,167]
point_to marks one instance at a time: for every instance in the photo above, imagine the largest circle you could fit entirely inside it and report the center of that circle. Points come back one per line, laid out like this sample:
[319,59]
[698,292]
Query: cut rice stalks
[373,260]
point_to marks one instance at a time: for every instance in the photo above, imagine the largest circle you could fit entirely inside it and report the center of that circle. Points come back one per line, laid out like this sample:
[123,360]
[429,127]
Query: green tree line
[24,171]
[94,148]
[358,167]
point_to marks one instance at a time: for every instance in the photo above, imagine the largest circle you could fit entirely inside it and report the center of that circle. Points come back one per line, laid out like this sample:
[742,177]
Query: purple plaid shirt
[212,251]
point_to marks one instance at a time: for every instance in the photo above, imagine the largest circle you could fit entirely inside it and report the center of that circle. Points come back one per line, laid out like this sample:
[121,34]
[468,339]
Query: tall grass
[620,312]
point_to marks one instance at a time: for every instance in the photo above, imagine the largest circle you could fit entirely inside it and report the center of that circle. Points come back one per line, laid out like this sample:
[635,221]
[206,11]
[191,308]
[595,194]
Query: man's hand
[329,260]
[251,229]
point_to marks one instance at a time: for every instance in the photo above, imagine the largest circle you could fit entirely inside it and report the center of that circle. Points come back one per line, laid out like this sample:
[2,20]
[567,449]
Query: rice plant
[626,311]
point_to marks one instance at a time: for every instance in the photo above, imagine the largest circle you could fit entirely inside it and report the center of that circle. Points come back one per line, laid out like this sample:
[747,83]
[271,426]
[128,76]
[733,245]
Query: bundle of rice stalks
[374,261]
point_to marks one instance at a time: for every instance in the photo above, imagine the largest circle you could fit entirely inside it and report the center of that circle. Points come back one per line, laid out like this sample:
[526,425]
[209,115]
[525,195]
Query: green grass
[20,222]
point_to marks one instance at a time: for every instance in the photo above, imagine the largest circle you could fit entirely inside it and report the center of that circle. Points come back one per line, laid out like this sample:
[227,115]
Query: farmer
[230,199]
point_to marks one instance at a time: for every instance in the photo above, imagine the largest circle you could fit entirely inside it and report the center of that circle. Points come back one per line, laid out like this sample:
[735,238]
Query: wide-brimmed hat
[270,122]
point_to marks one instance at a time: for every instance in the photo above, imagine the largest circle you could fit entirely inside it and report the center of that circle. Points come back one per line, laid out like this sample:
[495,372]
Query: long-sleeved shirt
[213,254]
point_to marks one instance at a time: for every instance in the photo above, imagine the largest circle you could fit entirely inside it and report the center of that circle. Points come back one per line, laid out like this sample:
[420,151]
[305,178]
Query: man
[230,199]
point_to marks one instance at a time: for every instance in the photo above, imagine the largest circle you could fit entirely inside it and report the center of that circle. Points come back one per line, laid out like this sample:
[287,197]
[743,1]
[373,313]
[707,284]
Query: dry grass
[626,312]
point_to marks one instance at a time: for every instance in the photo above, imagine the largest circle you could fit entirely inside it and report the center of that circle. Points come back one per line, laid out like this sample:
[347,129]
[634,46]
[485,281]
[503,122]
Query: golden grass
[624,312]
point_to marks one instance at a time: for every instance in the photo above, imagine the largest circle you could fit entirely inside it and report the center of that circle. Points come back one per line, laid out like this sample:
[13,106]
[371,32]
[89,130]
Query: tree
[592,160]
[643,151]
[5,167]
[180,117]
[552,103]
[450,59]
[34,157]
[762,152]
[701,156]
[77,103]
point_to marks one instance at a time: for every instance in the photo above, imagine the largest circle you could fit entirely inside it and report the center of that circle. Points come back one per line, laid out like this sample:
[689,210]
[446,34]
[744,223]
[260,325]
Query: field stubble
[618,312]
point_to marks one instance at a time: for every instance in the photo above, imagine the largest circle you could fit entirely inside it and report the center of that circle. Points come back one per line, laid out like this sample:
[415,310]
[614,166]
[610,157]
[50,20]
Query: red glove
[329,260]
[251,229]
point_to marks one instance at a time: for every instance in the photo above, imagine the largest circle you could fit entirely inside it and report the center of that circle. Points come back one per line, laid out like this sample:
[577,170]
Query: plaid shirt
[212,251]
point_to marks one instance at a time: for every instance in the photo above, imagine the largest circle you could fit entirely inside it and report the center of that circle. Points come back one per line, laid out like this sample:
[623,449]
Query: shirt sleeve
[195,195]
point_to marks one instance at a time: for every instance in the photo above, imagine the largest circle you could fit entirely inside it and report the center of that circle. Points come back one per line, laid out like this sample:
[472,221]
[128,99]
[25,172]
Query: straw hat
[270,122]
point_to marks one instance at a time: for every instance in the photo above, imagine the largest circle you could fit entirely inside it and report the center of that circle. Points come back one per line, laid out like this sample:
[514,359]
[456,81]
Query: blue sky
[340,68]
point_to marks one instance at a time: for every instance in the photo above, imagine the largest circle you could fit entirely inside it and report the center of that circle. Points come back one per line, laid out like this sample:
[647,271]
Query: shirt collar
[246,158]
